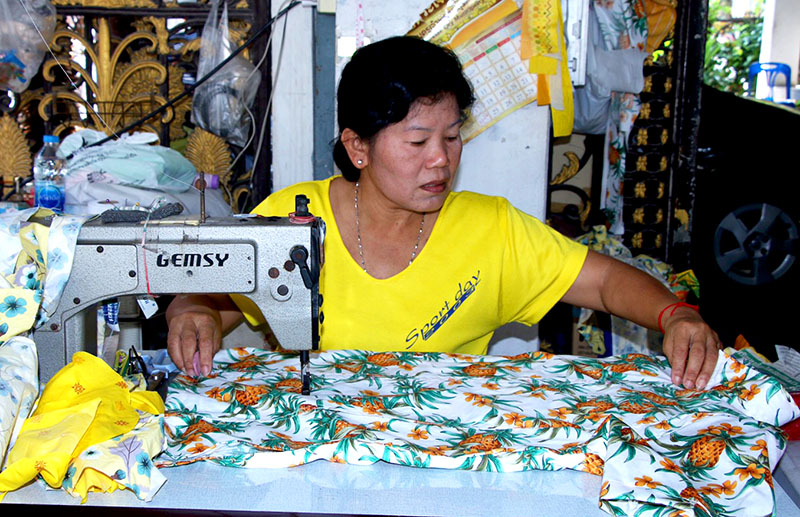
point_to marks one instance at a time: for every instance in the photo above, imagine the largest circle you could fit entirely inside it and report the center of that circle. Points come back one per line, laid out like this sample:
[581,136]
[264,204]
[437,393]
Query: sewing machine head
[273,261]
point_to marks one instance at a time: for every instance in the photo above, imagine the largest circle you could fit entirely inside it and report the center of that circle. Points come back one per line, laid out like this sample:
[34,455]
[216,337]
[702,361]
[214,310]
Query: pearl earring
[360,162]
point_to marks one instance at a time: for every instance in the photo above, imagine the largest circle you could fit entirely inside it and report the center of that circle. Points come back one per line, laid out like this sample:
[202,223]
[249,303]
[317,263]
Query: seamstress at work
[411,265]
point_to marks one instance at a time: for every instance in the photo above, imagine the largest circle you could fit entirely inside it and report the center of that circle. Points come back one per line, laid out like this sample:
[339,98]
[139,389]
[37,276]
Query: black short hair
[381,82]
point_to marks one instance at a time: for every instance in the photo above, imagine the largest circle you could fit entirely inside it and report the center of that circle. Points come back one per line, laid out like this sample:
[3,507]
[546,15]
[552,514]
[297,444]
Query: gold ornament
[15,160]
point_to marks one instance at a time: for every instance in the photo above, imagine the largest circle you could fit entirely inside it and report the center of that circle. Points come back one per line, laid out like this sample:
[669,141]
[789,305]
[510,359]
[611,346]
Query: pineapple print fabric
[660,449]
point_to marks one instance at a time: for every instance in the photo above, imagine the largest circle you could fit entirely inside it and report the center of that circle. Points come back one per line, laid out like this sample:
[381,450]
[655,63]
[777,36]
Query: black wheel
[756,244]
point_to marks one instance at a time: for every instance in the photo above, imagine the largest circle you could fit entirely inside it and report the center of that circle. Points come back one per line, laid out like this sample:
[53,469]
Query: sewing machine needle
[305,374]
[201,186]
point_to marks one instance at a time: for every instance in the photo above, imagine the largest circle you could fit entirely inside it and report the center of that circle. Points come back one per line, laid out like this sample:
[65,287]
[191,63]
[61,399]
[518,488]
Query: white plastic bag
[26,28]
[220,104]
[606,71]
[131,160]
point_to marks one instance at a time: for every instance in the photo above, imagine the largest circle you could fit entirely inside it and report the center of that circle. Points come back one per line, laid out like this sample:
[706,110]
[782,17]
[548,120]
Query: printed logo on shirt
[427,330]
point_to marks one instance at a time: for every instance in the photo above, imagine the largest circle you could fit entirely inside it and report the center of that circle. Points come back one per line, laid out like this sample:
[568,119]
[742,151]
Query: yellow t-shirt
[485,264]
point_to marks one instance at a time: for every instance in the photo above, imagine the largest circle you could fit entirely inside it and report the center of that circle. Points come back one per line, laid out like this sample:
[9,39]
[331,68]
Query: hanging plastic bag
[220,104]
[130,160]
[26,28]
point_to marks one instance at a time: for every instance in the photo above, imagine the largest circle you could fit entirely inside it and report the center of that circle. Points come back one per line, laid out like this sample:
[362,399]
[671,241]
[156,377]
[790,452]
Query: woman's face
[413,162]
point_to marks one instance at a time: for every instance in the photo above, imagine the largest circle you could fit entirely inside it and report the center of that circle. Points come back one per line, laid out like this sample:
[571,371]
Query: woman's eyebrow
[425,128]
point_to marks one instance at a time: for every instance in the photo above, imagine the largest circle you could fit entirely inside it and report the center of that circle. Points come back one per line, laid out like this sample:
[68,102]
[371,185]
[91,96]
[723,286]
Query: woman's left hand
[691,347]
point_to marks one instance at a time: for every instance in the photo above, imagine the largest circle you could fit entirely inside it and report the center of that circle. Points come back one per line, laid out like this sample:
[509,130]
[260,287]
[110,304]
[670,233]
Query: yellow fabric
[544,65]
[543,44]
[484,265]
[564,117]
[92,480]
[540,35]
[85,403]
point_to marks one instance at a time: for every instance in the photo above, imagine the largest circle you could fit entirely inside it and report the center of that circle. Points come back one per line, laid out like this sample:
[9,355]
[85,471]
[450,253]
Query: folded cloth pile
[91,431]
[36,252]
[657,446]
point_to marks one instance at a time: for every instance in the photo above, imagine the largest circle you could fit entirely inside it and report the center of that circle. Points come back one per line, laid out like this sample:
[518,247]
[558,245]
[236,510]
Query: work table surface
[381,489]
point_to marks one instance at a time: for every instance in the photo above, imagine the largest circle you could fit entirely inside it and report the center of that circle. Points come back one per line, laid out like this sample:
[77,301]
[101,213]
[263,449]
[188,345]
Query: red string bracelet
[675,306]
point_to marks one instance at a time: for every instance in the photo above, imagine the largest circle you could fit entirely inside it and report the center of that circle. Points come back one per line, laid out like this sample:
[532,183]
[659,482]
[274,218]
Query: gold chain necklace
[358,234]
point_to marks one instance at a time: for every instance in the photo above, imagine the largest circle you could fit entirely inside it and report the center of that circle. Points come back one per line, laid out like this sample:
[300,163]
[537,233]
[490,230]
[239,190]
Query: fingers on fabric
[692,349]
[191,333]
[676,353]
[207,342]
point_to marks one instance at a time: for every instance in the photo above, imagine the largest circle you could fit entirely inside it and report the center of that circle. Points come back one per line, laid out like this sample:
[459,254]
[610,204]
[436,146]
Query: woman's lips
[435,188]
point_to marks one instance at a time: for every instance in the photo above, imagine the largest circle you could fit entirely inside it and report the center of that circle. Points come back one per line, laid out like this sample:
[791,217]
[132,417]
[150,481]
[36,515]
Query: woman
[411,265]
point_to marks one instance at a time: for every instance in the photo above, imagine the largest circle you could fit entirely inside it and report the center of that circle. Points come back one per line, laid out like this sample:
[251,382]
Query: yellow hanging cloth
[84,404]
[543,44]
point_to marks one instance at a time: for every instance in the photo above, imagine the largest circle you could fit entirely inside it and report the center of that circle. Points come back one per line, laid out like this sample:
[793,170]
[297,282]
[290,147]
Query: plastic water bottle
[48,176]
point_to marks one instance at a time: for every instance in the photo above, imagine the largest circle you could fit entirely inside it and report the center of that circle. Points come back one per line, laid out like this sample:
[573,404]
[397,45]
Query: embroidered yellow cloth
[544,45]
[84,404]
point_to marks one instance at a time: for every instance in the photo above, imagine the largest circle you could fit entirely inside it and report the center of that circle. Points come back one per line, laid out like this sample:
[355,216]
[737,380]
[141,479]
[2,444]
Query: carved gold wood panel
[122,78]
[116,96]
[15,160]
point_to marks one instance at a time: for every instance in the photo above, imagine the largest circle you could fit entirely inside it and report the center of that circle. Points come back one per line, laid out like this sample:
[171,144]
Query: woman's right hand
[195,328]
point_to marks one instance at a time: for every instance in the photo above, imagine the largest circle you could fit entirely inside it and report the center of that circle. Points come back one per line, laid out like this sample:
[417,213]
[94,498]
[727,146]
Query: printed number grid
[501,80]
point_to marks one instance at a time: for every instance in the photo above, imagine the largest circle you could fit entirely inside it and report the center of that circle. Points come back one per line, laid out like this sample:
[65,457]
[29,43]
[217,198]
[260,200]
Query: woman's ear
[356,147]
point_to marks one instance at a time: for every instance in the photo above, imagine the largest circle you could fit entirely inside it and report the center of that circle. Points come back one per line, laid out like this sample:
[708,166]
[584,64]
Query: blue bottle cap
[50,139]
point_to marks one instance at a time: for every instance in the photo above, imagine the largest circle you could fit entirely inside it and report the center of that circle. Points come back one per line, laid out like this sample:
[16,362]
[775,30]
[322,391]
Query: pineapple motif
[307,408]
[349,366]
[481,370]
[352,429]
[481,442]
[369,406]
[200,427]
[291,385]
[657,399]
[383,359]
[692,493]
[652,397]
[250,396]
[246,363]
[598,405]
[593,464]
[636,408]
[633,357]
[621,368]
[706,451]
[594,373]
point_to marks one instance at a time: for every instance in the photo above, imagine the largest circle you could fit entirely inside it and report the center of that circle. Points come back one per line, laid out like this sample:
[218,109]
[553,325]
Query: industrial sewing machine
[274,261]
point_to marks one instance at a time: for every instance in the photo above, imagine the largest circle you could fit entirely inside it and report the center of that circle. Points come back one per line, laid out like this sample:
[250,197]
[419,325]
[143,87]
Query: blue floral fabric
[36,258]
[19,387]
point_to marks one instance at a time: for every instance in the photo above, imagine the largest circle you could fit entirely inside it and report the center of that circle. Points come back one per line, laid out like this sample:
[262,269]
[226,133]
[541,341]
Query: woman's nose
[438,156]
